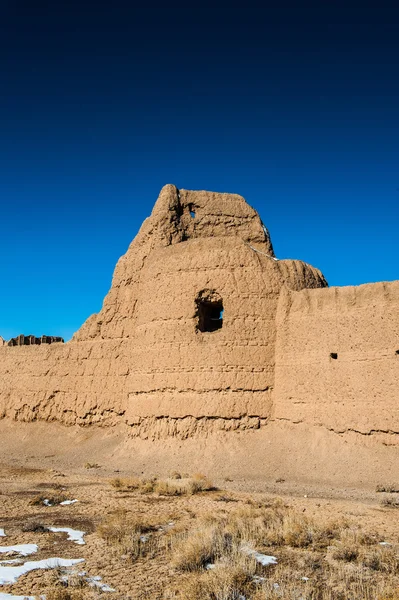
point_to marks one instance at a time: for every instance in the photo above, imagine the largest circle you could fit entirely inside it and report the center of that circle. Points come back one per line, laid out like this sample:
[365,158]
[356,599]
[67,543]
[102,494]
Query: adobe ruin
[31,340]
[203,329]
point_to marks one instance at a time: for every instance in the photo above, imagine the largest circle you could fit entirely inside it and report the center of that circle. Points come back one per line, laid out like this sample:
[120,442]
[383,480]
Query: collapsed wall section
[337,359]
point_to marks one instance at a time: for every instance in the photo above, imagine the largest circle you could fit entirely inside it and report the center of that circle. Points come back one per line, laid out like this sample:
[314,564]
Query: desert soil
[98,501]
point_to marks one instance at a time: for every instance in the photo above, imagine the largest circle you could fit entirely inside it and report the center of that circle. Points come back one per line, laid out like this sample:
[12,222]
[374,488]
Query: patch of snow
[385,544]
[96,582]
[9,575]
[305,578]
[66,502]
[12,597]
[263,559]
[74,535]
[144,538]
[47,502]
[106,588]
[2,533]
[22,549]
[209,566]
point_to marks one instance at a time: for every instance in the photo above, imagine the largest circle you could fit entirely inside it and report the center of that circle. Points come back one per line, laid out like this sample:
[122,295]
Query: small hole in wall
[397,352]
[209,311]
[334,355]
[191,208]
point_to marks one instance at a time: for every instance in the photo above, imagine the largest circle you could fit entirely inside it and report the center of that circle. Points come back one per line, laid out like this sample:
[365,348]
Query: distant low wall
[337,358]
[31,340]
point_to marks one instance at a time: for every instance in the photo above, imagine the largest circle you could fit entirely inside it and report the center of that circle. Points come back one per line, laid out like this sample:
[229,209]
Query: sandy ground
[320,474]
[97,501]
[347,465]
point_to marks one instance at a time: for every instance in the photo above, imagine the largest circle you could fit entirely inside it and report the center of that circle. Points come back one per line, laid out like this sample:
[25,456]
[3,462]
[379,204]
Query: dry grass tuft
[54,497]
[72,587]
[173,486]
[390,488]
[390,502]
[317,559]
[226,498]
[35,528]
[182,487]
[133,536]
[225,582]
[126,483]
[66,593]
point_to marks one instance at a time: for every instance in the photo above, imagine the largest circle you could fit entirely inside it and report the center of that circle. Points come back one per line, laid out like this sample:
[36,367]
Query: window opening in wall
[191,208]
[209,311]
[334,355]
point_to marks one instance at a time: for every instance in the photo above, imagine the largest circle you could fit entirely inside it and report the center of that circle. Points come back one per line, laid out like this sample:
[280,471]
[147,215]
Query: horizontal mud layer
[156,428]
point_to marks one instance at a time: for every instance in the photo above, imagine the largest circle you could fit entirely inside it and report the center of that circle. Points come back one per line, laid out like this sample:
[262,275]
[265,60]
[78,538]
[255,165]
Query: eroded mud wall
[337,360]
[74,383]
[145,360]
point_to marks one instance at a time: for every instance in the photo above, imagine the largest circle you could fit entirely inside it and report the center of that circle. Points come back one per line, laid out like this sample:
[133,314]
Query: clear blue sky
[102,104]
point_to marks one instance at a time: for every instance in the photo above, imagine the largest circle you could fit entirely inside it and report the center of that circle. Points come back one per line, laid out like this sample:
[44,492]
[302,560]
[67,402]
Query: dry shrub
[182,487]
[391,488]
[266,502]
[226,498]
[272,526]
[193,552]
[351,582]
[126,483]
[214,539]
[129,484]
[345,552]
[171,487]
[129,535]
[35,528]
[72,587]
[225,582]
[148,485]
[392,594]
[208,543]
[176,485]
[297,530]
[390,502]
[351,546]
[54,497]
[317,560]
[384,559]
[66,593]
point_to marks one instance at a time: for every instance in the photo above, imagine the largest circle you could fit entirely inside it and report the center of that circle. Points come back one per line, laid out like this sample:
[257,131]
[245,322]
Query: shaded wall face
[336,358]
[178,370]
